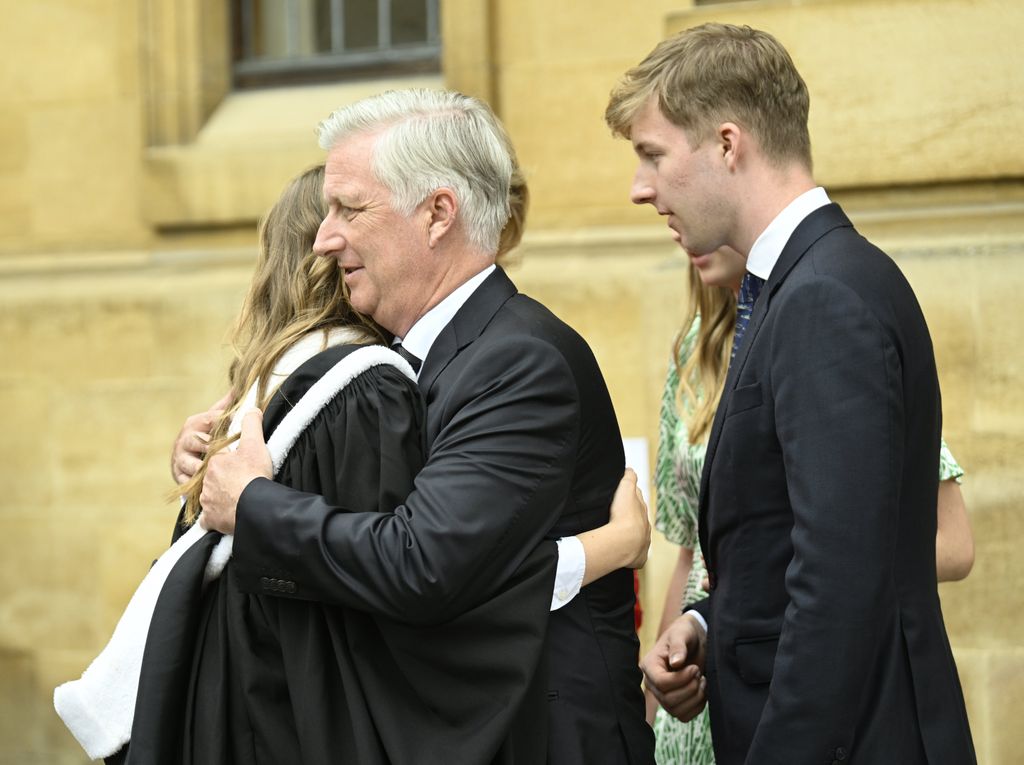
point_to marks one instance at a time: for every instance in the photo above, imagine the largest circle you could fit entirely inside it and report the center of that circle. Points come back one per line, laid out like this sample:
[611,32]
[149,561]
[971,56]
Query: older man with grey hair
[523,447]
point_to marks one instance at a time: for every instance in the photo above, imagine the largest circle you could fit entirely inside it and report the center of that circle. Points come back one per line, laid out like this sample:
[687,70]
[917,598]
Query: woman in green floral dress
[700,363]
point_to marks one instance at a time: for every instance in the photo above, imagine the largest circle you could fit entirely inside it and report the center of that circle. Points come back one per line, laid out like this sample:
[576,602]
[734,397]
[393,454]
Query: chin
[365,307]
[712,278]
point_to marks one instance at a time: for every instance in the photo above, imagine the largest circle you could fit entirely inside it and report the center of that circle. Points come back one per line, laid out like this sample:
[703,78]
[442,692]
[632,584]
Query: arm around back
[494,481]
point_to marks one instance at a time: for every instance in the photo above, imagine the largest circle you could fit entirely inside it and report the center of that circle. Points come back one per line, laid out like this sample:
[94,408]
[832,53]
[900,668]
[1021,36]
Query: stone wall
[131,180]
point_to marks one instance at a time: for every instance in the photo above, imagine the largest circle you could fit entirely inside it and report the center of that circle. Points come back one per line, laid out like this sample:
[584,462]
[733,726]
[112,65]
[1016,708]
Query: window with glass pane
[311,40]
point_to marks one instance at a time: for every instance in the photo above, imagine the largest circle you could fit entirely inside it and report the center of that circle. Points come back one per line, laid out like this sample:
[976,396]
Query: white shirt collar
[768,247]
[421,335]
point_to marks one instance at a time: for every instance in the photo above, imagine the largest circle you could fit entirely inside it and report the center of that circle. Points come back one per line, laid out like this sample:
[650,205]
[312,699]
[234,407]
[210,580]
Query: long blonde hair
[293,293]
[702,374]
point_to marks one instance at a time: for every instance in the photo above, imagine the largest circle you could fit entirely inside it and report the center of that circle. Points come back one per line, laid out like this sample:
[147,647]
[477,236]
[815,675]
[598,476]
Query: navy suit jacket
[817,521]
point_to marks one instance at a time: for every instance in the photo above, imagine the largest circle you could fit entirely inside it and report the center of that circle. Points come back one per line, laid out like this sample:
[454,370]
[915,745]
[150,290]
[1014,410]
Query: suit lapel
[810,230]
[466,326]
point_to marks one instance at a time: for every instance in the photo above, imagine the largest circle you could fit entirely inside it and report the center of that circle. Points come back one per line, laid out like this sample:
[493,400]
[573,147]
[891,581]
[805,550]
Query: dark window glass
[279,41]
[408,21]
[361,24]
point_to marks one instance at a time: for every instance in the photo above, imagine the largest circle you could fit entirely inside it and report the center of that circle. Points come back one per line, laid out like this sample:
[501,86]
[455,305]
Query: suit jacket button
[264,583]
[289,587]
[840,754]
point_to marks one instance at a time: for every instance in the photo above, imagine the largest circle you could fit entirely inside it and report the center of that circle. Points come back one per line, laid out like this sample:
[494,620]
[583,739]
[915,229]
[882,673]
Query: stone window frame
[203,169]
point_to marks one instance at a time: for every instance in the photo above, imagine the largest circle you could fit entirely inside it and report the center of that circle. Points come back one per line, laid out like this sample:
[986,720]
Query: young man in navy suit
[822,639]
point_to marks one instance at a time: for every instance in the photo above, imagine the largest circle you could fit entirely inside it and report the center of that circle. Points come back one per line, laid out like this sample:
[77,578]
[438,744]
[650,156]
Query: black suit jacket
[523,446]
[817,521]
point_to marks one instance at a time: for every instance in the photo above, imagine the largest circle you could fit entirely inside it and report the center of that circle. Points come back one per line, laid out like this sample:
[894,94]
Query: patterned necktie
[414,361]
[750,288]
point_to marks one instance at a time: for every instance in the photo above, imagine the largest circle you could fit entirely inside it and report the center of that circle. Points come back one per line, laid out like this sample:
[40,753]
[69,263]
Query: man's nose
[642,190]
[328,239]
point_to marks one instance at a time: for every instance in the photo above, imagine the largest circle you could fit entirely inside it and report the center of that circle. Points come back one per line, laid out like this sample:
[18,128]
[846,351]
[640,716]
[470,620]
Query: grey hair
[432,139]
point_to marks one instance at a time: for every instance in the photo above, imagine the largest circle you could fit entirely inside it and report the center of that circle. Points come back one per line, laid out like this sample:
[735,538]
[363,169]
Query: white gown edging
[99,707]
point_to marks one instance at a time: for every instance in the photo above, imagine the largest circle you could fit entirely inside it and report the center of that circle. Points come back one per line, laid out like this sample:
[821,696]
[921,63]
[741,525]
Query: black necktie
[750,288]
[414,362]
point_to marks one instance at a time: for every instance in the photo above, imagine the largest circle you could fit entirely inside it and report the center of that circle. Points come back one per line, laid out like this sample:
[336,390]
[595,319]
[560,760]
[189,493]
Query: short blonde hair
[717,73]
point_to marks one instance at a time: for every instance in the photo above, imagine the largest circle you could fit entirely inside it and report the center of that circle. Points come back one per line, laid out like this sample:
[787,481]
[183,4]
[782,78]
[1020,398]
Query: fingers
[682,692]
[685,702]
[628,514]
[187,454]
[630,482]
[252,430]
[196,442]
[252,449]
[193,441]
[185,467]
[673,672]
[681,640]
[624,498]
[628,501]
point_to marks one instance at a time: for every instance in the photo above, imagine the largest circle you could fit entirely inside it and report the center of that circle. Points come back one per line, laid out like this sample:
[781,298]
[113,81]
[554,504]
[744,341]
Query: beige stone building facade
[132,174]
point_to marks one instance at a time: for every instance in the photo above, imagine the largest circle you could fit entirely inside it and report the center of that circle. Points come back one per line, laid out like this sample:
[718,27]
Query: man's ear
[442,207]
[732,144]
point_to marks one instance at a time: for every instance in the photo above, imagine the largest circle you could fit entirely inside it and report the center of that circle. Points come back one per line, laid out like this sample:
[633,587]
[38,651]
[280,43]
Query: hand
[630,522]
[193,438]
[229,472]
[674,669]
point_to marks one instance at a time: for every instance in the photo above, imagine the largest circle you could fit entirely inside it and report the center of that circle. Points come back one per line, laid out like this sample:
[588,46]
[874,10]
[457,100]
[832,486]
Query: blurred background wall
[140,141]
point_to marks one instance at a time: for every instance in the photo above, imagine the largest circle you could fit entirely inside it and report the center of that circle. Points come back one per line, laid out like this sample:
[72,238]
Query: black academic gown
[235,677]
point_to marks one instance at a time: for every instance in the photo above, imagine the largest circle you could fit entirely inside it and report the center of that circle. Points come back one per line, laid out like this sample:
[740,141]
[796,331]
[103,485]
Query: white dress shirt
[572,559]
[768,247]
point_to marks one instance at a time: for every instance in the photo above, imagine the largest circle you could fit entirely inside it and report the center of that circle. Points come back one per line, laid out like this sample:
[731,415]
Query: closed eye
[648,155]
[348,213]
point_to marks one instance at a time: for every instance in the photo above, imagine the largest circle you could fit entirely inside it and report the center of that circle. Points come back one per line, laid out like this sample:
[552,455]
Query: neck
[770,192]
[459,271]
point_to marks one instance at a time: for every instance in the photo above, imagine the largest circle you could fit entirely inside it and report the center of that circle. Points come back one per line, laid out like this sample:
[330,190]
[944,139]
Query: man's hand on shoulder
[229,472]
[674,668]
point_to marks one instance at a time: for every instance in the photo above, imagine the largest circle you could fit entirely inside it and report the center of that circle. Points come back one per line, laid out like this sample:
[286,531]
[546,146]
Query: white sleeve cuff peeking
[572,564]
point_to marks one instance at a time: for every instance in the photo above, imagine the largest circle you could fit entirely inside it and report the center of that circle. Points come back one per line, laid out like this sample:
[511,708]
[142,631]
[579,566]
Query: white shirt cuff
[698,618]
[572,564]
